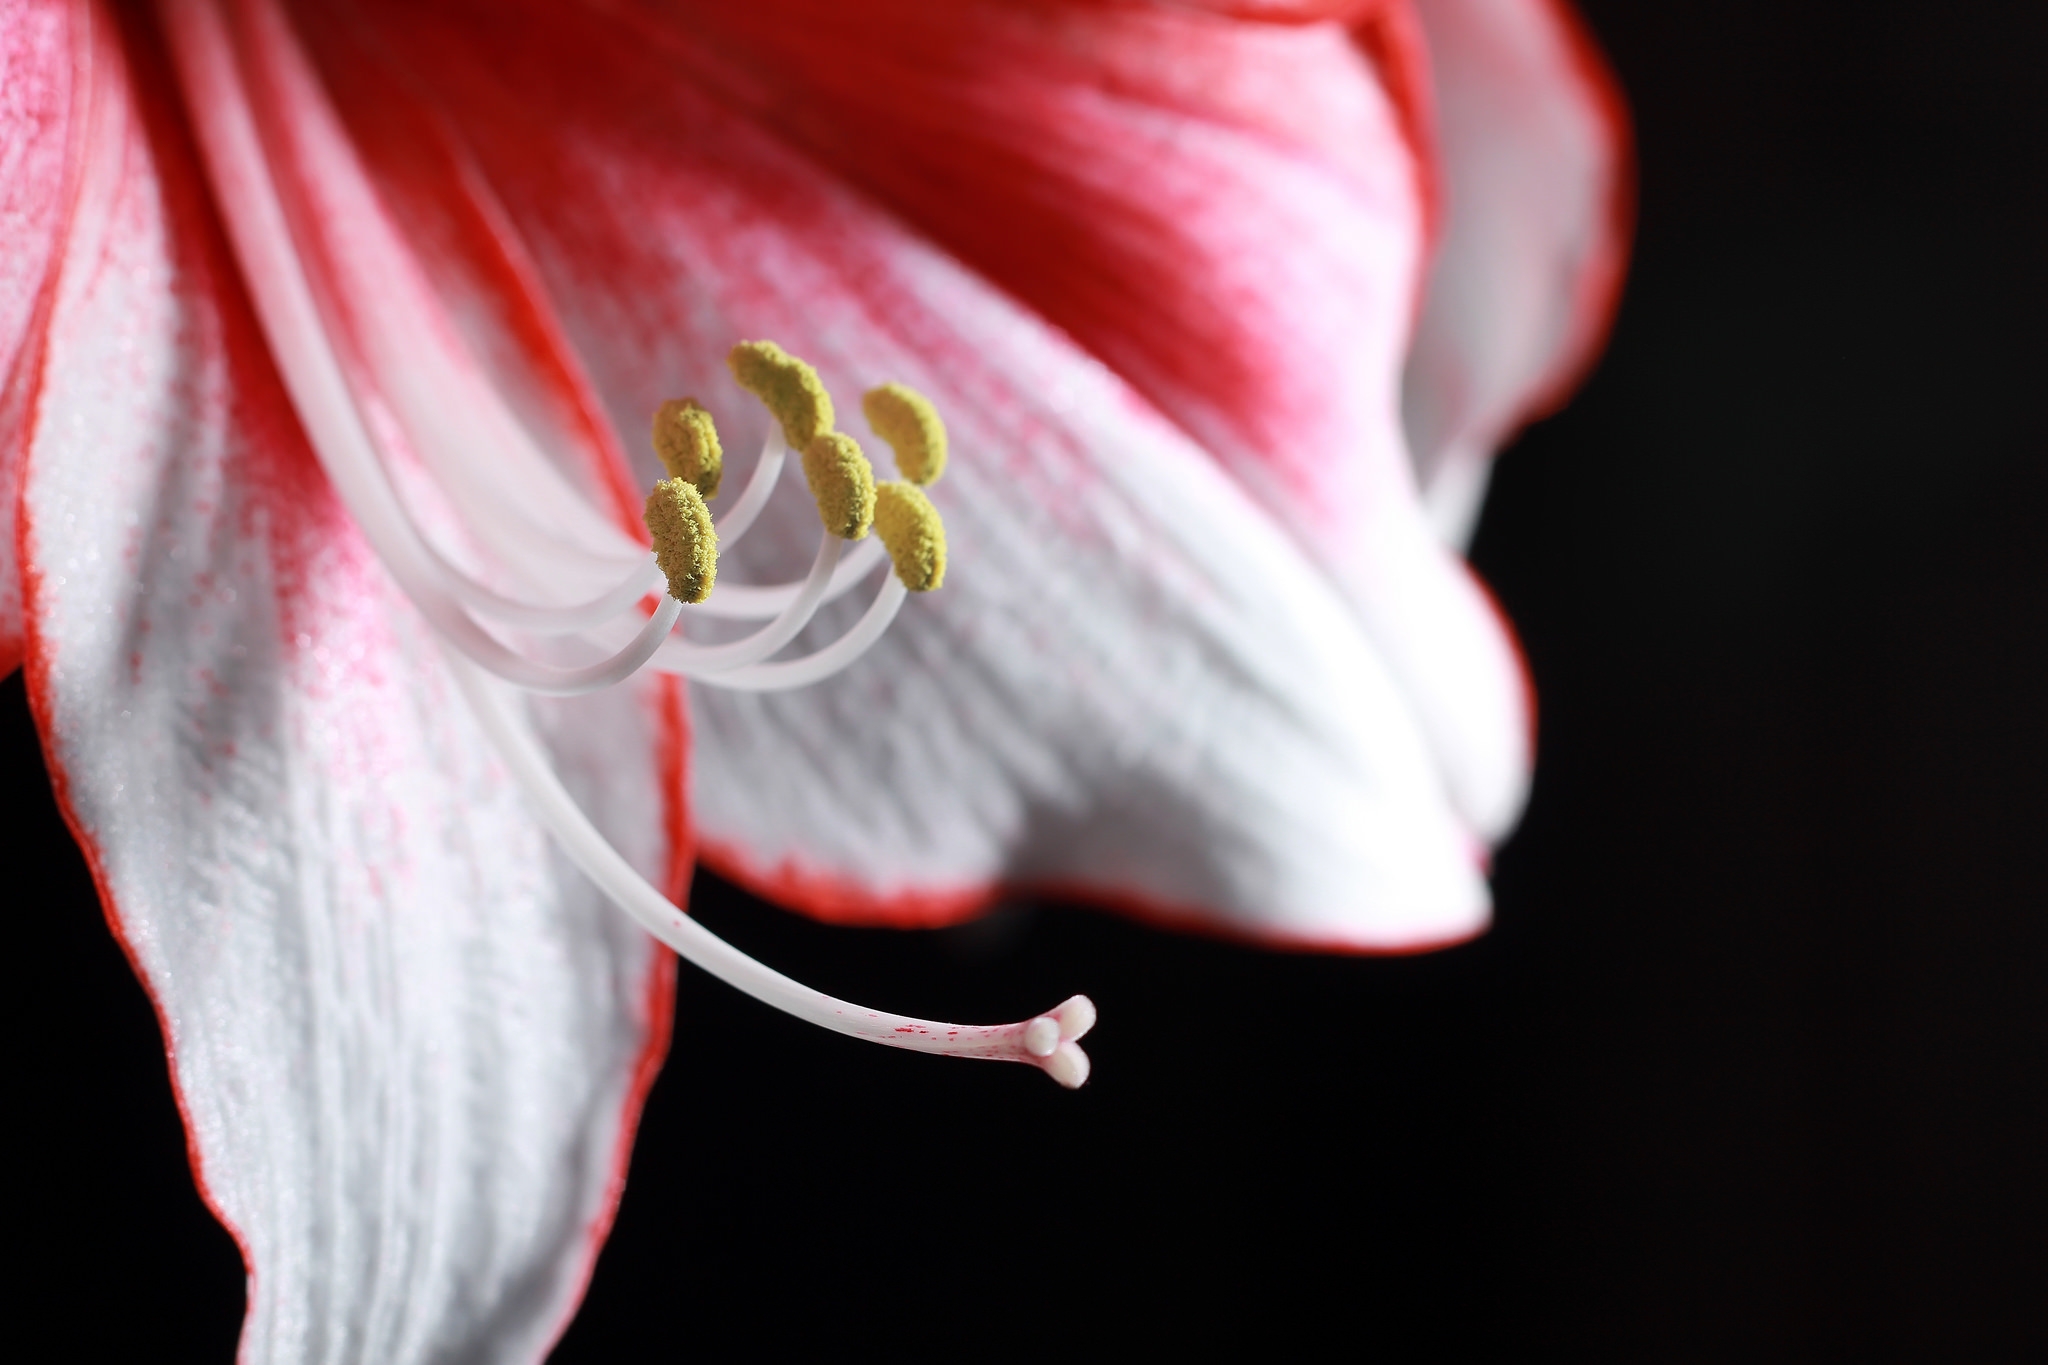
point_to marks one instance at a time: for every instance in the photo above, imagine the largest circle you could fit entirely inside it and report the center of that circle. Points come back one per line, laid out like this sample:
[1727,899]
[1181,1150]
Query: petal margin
[1537,182]
[1135,684]
[408,1041]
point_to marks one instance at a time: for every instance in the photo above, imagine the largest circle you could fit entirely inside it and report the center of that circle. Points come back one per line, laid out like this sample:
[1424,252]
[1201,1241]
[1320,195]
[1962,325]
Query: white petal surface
[407,1039]
[1534,165]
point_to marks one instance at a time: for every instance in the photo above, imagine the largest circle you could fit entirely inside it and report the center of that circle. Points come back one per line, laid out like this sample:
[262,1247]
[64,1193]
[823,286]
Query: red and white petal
[1135,682]
[1225,212]
[1534,169]
[409,1042]
[39,81]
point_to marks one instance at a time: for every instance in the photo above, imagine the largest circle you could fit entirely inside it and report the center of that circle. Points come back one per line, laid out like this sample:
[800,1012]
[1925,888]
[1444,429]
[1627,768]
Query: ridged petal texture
[1183,657]
[407,1038]
[1537,192]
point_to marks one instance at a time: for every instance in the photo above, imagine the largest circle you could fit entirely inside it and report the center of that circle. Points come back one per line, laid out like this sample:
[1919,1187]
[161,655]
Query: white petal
[407,1039]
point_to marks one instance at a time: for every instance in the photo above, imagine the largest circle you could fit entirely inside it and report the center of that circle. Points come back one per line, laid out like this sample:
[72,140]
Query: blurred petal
[36,89]
[408,1041]
[1534,169]
[1135,682]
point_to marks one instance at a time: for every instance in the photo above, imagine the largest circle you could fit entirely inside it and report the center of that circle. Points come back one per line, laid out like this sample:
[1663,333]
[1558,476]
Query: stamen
[909,525]
[843,483]
[687,442]
[593,853]
[910,424]
[685,545]
[790,388]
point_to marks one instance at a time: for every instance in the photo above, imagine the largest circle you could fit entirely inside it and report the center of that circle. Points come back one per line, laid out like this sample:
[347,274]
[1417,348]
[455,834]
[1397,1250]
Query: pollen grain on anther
[685,543]
[842,482]
[790,388]
[686,439]
[911,531]
[910,424]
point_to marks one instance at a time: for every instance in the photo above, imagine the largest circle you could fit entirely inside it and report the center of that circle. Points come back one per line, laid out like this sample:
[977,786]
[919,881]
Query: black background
[1752,1066]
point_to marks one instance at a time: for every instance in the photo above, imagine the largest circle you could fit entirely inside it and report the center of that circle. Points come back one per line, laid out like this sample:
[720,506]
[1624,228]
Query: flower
[299,296]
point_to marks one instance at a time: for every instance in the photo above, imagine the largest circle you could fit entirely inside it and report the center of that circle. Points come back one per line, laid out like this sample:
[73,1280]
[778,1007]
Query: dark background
[1752,1066]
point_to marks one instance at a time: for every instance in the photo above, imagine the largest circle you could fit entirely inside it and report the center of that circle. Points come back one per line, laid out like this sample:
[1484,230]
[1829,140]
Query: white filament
[548,620]
[547,679]
[751,602]
[692,661]
[811,668]
[760,487]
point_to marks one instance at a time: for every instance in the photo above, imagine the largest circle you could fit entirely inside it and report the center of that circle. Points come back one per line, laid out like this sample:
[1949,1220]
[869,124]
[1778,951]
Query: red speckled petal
[37,68]
[409,1042]
[1536,179]
[1135,683]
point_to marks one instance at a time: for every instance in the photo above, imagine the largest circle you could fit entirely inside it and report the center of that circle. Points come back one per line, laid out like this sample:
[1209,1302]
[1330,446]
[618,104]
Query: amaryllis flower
[330,332]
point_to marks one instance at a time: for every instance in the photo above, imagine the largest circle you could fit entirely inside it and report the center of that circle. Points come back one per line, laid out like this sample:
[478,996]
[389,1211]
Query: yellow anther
[790,388]
[842,483]
[685,545]
[910,424]
[912,533]
[688,444]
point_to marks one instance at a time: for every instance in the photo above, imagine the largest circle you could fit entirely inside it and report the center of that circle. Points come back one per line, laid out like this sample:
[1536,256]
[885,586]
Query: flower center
[385,391]
[686,540]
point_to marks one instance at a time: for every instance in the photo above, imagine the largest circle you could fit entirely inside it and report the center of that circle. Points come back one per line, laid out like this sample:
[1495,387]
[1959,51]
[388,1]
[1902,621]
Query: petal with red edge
[1534,168]
[408,1040]
[39,80]
[1134,682]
